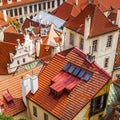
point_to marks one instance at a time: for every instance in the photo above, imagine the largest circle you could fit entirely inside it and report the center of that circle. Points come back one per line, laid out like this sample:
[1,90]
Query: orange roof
[5,49]
[15,3]
[99,23]
[13,85]
[12,37]
[68,105]
[10,29]
[69,8]
[112,16]
[117,59]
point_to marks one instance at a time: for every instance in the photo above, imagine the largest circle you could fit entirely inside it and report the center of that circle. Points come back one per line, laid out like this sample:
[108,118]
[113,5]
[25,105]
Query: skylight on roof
[81,73]
[76,71]
[88,76]
[66,66]
[71,69]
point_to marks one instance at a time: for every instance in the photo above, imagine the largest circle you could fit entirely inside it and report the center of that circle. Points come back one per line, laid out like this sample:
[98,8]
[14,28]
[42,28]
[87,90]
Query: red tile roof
[99,23]
[112,16]
[5,49]
[68,105]
[66,10]
[12,37]
[28,22]
[13,85]
[15,3]
[69,8]
[117,59]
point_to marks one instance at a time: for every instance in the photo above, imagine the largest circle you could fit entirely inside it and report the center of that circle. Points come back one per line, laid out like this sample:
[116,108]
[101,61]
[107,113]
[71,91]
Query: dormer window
[9,1]
[54,92]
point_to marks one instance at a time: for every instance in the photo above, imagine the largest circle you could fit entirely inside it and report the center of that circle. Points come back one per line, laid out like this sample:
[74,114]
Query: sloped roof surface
[5,49]
[99,23]
[68,105]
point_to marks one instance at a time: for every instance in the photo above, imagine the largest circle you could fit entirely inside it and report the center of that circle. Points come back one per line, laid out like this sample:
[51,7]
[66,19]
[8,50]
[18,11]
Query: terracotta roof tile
[13,85]
[112,16]
[12,37]
[10,29]
[5,49]
[68,105]
[99,23]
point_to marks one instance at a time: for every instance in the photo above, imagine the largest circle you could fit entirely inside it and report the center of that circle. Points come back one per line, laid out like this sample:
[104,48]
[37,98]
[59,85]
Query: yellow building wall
[84,113]
[40,112]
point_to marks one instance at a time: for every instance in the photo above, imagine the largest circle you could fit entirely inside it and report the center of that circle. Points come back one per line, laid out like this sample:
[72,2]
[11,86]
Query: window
[81,44]
[39,6]
[45,116]
[48,5]
[44,6]
[106,62]
[109,41]
[98,104]
[34,111]
[54,92]
[71,39]
[53,4]
[11,13]
[20,11]
[25,10]
[35,8]
[24,60]
[18,62]
[58,2]
[15,10]
[21,20]
[94,45]
[31,9]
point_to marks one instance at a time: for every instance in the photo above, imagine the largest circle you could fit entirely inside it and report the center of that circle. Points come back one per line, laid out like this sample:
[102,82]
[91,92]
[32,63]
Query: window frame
[45,116]
[106,62]
[71,42]
[94,46]
[109,41]
[35,111]
[81,44]
[95,109]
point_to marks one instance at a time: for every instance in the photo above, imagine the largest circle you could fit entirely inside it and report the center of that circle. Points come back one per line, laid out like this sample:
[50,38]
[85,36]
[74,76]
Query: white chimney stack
[5,15]
[30,83]
[118,18]
[76,2]
[87,27]
[34,84]
[38,47]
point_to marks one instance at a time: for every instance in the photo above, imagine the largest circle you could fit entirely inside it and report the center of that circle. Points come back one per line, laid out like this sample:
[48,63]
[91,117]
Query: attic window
[54,92]
[7,96]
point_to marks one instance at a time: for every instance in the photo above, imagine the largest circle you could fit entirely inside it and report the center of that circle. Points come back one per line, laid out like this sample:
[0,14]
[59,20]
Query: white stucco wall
[102,51]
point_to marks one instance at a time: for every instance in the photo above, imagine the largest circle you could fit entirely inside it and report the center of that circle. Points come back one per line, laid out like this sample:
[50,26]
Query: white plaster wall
[102,51]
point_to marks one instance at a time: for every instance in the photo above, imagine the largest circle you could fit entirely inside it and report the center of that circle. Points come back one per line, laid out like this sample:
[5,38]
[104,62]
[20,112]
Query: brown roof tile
[68,105]
[5,49]
[13,85]
[99,23]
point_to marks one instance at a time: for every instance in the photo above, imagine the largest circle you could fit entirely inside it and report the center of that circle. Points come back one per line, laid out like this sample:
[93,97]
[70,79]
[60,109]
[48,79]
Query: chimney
[38,47]
[5,15]
[34,84]
[118,18]
[87,26]
[76,2]
[29,83]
